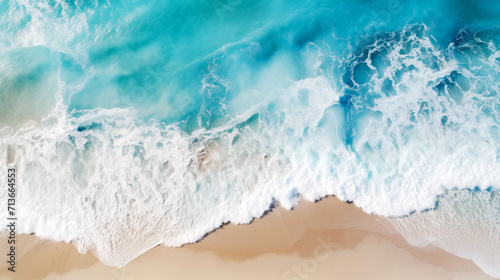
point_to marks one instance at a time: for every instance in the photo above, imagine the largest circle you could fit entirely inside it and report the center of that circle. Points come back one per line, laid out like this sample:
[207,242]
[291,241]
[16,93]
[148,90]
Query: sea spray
[144,123]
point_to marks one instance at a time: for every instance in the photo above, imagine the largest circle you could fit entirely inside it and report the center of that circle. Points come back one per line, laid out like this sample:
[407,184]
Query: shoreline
[316,240]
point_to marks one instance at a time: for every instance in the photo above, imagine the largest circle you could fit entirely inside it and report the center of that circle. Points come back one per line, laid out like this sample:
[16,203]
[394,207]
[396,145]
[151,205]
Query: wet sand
[329,239]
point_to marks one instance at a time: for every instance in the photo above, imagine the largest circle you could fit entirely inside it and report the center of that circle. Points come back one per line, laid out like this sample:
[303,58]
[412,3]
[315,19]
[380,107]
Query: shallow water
[165,119]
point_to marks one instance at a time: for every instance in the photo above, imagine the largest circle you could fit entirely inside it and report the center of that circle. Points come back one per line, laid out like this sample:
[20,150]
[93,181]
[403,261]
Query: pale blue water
[196,113]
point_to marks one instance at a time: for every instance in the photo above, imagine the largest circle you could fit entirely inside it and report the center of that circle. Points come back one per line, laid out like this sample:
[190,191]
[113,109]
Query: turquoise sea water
[172,117]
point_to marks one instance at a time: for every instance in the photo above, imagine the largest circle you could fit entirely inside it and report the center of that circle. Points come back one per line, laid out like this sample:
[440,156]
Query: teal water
[196,113]
[150,55]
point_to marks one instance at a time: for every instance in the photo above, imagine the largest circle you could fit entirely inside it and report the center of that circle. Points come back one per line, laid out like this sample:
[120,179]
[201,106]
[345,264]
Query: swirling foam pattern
[137,123]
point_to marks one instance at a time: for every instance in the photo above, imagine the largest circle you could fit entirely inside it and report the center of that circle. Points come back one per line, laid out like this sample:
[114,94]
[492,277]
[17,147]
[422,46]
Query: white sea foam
[465,223]
[116,185]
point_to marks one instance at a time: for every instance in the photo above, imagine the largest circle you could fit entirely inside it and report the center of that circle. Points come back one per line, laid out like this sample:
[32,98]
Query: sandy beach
[329,239]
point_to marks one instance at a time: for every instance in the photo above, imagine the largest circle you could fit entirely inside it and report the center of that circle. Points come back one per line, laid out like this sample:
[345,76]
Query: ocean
[137,123]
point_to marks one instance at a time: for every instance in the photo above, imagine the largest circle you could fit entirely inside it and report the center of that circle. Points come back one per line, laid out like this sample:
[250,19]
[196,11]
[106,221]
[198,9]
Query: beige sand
[329,239]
